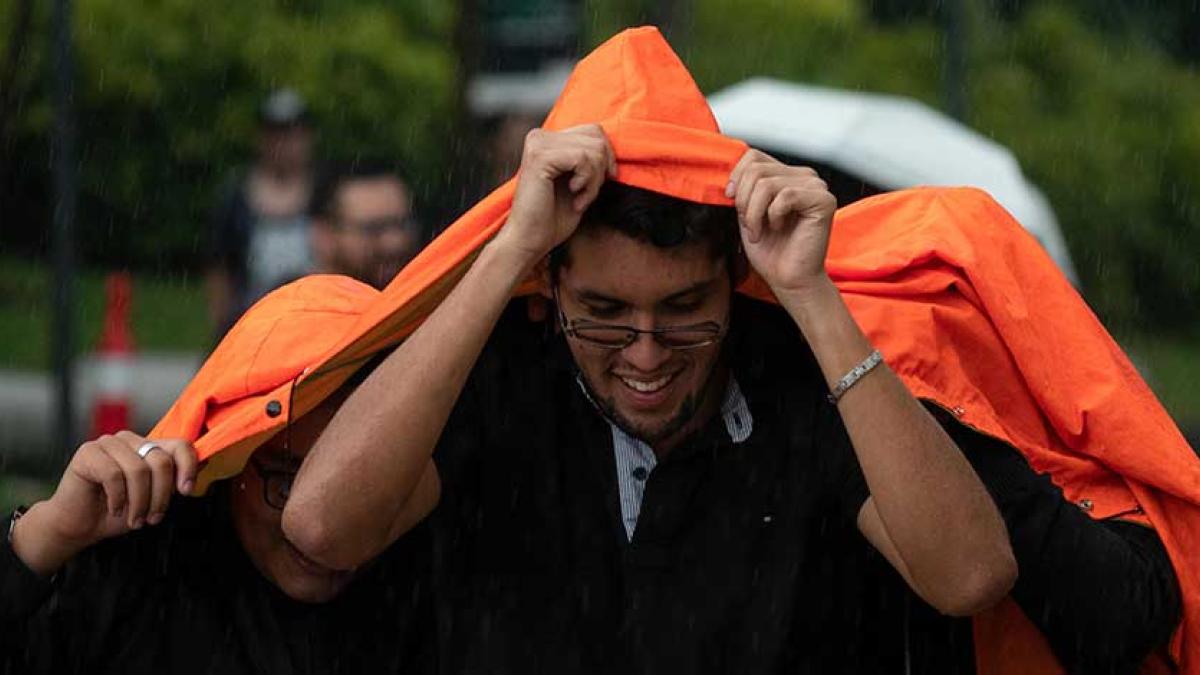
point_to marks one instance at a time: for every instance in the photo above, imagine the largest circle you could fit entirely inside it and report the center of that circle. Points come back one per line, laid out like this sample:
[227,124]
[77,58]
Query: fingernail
[187,486]
[137,523]
[729,189]
[155,518]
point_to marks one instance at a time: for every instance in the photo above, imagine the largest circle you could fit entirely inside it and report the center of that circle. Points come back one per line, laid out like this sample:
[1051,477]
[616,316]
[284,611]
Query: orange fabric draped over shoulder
[964,305]
[972,314]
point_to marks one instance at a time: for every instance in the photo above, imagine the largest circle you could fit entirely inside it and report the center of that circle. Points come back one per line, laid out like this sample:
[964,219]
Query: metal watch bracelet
[12,521]
[856,373]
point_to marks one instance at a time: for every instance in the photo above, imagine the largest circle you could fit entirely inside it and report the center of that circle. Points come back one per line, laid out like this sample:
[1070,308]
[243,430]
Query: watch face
[12,520]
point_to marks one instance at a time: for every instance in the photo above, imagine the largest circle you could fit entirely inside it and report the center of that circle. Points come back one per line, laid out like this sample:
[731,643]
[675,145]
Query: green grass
[168,313]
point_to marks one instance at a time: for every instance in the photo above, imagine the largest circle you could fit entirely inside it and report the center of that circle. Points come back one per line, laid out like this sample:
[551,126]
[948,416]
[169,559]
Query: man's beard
[692,404]
[687,411]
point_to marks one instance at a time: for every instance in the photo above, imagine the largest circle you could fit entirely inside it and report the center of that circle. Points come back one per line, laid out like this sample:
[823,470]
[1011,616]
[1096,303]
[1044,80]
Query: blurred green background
[1099,100]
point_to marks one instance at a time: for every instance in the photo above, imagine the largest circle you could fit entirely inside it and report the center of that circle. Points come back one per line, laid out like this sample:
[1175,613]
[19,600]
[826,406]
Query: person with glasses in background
[363,222]
[121,570]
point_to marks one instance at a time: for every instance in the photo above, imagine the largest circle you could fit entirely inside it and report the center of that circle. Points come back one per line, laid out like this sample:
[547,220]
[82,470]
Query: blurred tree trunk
[10,91]
[954,58]
[466,178]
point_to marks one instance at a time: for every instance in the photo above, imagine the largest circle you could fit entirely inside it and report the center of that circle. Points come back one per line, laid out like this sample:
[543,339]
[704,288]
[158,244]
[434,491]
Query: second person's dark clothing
[182,597]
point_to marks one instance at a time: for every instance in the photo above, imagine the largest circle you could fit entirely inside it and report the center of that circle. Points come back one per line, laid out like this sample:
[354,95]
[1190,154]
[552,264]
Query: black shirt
[1103,593]
[183,597]
[728,568]
[745,558]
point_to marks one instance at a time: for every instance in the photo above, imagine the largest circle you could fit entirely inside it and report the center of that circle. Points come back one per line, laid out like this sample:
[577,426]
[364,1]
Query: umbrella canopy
[890,142]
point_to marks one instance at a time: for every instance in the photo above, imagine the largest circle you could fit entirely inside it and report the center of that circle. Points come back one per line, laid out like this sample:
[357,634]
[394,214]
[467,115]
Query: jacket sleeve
[226,238]
[65,624]
[26,600]
[23,590]
[1102,592]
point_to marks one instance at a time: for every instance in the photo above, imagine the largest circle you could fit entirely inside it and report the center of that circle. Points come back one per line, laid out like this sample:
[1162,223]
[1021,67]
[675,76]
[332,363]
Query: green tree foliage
[167,94]
[1101,113]
[1108,127]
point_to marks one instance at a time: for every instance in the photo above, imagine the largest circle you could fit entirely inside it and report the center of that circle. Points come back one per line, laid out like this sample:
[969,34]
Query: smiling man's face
[655,393]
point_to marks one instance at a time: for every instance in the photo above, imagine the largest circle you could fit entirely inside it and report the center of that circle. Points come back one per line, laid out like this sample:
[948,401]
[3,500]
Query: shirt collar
[736,413]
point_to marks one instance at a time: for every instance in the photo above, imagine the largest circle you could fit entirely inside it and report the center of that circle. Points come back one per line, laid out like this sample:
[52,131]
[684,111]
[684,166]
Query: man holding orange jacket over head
[646,482]
[656,478]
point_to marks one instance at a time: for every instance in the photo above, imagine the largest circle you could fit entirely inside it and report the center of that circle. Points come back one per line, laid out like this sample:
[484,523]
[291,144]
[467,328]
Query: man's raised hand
[785,213]
[561,174]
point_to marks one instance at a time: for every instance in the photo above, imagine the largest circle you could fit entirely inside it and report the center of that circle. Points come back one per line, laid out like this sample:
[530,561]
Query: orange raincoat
[964,305]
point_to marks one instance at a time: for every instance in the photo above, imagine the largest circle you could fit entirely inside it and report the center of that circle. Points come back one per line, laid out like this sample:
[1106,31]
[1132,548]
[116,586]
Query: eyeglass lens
[620,336]
[277,487]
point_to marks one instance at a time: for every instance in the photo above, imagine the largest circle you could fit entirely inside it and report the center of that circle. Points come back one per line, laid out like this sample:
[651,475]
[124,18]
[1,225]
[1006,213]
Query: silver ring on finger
[147,448]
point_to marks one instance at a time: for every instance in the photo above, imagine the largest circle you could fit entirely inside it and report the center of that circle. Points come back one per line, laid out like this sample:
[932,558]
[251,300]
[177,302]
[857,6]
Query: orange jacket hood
[964,305]
[244,392]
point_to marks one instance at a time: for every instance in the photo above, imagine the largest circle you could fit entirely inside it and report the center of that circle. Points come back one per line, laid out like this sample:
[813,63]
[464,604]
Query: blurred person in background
[116,574]
[363,223]
[260,235]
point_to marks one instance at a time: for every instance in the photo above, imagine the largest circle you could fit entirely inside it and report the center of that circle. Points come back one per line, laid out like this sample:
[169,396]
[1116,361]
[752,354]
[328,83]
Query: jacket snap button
[1085,504]
[274,409]
[958,411]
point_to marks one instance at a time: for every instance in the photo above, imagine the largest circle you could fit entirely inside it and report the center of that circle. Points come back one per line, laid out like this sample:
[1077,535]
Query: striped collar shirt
[636,460]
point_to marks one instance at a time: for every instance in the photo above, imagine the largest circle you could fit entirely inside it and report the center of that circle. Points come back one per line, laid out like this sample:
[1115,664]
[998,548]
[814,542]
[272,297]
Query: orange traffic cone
[111,409]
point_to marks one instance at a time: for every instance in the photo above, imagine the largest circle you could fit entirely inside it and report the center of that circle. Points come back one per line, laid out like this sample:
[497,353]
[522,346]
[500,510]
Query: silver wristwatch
[12,521]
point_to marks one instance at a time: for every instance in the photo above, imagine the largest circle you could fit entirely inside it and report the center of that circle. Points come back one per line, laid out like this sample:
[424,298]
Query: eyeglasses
[378,227]
[277,485]
[614,336]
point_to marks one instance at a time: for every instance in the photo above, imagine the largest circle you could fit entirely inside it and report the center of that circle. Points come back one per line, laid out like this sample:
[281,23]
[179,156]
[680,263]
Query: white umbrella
[890,142]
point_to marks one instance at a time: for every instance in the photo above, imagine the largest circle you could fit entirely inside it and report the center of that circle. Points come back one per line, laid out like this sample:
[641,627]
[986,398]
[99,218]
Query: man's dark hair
[661,220]
[331,178]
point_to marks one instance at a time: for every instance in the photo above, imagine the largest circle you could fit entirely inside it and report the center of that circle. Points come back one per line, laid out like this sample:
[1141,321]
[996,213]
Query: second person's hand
[108,489]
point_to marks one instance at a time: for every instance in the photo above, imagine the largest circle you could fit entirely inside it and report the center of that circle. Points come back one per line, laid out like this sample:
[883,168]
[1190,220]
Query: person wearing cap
[260,234]
[124,570]
[363,222]
[648,480]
